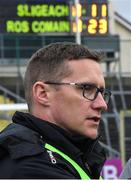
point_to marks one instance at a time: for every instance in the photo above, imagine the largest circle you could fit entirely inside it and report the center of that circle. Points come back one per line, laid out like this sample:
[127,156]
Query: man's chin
[92,135]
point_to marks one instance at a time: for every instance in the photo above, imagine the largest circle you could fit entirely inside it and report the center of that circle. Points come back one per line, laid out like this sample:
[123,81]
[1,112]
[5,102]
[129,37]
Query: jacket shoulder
[19,141]
[26,156]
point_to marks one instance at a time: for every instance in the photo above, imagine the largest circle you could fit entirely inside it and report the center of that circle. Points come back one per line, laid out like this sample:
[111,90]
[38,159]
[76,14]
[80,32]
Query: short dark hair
[49,63]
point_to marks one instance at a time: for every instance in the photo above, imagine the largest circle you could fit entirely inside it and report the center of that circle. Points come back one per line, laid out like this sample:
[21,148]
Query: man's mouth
[95,119]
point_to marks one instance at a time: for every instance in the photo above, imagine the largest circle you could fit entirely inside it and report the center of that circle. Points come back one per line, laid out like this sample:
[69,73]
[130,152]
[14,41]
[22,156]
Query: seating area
[5,116]
[3,124]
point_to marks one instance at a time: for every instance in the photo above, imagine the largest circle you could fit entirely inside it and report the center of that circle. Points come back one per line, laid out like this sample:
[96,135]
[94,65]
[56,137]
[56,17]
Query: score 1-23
[92,26]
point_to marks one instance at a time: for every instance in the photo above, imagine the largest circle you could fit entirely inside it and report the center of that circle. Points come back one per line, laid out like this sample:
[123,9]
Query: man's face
[70,110]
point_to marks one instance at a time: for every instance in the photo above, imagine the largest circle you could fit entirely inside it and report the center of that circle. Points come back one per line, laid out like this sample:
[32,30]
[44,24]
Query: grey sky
[123,7]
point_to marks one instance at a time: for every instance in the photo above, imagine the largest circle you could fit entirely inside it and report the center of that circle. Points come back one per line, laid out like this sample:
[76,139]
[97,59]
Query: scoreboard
[53,17]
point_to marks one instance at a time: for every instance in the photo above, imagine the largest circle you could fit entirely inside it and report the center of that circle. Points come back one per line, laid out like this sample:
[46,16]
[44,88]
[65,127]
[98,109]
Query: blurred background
[27,25]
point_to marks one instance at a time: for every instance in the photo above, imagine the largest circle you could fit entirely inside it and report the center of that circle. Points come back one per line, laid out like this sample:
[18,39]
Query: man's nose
[100,103]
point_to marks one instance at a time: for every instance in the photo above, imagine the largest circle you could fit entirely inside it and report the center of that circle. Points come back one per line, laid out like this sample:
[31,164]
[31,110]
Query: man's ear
[41,93]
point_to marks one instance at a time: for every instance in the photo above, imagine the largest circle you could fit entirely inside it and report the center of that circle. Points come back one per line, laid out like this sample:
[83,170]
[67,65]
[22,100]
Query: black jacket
[23,155]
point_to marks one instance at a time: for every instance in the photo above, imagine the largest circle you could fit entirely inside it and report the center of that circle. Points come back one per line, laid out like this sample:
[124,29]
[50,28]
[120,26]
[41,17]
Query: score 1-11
[92,26]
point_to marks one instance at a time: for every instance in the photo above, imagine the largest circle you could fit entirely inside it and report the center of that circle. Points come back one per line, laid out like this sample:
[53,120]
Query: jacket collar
[31,132]
[75,145]
[27,135]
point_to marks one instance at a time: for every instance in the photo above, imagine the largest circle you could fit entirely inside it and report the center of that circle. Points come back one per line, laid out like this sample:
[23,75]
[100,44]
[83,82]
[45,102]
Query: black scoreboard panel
[53,17]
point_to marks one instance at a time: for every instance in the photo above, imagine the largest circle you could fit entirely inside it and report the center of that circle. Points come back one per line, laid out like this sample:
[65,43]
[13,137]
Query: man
[58,138]
[126,173]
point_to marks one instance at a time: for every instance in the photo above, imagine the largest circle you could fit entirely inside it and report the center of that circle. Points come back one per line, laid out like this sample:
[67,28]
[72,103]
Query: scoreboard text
[53,16]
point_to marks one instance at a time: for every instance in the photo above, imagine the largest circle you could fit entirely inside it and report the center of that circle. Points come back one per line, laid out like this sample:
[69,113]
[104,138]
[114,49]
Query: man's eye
[88,87]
